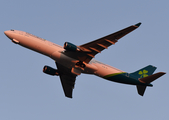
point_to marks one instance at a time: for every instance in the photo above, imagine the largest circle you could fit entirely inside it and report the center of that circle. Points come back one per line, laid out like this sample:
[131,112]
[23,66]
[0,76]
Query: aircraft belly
[104,70]
[90,69]
[63,59]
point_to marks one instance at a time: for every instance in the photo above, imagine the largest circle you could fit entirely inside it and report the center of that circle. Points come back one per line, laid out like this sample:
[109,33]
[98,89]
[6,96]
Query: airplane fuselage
[56,52]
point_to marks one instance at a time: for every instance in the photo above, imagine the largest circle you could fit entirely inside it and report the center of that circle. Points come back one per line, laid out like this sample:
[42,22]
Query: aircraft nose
[7,33]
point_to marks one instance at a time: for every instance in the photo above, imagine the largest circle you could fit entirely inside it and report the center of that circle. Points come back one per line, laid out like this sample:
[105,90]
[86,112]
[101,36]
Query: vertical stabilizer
[144,72]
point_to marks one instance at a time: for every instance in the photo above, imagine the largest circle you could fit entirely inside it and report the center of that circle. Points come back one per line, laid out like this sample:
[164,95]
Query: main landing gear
[81,64]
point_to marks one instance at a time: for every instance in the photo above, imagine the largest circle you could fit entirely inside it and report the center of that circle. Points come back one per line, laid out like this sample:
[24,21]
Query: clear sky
[26,93]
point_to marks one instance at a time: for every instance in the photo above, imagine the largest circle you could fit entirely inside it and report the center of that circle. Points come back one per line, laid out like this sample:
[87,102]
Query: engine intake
[70,47]
[50,71]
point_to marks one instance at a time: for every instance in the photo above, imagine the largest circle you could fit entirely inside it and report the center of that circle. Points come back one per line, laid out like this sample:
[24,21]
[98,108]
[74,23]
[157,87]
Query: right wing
[103,43]
[90,49]
[67,79]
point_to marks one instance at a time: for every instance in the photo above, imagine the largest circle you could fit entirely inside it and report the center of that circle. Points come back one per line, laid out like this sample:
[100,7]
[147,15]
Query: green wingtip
[138,24]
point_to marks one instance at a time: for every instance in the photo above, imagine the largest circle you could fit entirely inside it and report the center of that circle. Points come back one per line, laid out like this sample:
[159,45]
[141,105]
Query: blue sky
[27,93]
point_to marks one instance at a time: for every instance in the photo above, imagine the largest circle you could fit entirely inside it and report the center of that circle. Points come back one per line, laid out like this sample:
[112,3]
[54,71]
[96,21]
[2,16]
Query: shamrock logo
[143,73]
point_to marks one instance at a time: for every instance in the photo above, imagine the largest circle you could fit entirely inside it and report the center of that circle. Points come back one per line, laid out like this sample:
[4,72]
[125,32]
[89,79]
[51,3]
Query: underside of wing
[98,45]
[67,84]
[67,80]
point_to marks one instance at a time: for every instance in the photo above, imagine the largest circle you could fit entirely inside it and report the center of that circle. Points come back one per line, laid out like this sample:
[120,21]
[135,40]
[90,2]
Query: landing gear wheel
[81,64]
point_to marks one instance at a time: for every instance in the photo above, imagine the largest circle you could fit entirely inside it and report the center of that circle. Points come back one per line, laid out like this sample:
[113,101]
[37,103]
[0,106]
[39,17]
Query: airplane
[72,60]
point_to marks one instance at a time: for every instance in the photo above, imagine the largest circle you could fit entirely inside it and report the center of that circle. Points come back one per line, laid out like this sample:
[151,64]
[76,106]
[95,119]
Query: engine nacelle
[70,47]
[50,71]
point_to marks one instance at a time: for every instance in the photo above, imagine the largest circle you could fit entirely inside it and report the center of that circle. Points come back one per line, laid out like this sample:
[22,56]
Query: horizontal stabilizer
[141,89]
[146,80]
[151,78]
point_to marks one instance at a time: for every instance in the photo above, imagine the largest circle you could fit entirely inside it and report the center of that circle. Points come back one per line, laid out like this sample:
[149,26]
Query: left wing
[98,45]
[67,79]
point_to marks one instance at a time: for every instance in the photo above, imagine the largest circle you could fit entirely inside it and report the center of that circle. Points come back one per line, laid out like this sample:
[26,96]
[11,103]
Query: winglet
[138,24]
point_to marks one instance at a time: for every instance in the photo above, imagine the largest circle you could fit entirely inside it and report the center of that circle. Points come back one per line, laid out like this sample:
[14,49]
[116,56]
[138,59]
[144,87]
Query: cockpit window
[12,30]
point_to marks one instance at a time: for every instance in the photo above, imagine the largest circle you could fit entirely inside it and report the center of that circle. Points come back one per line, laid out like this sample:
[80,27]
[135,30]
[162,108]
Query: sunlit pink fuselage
[55,51]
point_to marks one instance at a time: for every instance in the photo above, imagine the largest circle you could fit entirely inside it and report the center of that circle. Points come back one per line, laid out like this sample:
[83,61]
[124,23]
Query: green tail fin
[144,72]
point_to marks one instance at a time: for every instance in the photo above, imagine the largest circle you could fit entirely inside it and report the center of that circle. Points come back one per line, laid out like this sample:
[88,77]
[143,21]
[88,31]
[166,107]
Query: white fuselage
[55,52]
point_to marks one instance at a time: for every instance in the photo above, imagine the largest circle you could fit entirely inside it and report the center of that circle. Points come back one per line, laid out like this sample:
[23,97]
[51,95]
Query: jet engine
[70,47]
[50,71]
